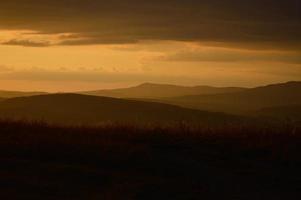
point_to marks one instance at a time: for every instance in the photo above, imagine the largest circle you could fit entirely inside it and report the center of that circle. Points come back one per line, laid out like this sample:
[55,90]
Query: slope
[83,109]
[245,101]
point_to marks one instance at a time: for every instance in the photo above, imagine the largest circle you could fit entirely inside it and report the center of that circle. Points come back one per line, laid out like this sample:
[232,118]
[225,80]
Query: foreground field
[122,162]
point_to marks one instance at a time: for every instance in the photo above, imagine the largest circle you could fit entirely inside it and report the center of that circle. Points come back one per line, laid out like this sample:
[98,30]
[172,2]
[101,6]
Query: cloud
[256,23]
[96,40]
[26,43]
[4,69]
[43,75]
[229,56]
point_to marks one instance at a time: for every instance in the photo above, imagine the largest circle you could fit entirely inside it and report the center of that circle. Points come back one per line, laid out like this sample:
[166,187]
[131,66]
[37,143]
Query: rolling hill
[12,94]
[291,112]
[84,109]
[245,101]
[155,91]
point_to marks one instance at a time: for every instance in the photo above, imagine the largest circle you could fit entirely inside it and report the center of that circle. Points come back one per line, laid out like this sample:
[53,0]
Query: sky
[74,45]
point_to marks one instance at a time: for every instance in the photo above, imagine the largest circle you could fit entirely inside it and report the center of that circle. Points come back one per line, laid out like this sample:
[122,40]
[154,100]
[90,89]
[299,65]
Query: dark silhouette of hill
[12,94]
[84,109]
[154,91]
[287,112]
[245,101]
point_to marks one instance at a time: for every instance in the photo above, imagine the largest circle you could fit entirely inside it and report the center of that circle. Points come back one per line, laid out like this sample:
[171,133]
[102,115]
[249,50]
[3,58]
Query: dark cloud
[274,23]
[26,43]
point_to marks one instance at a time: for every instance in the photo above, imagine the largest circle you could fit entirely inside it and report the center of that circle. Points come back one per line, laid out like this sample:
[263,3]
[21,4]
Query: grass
[248,161]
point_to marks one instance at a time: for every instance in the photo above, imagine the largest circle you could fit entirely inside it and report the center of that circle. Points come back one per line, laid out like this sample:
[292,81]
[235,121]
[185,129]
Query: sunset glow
[107,45]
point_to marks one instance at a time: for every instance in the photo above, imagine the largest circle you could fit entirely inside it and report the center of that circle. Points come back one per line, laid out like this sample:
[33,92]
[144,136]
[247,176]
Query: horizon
[152,83]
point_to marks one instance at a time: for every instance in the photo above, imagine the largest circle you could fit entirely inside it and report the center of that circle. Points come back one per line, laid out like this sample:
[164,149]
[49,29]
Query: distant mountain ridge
[155,103]
[248,100]
[83,109]
[154,91]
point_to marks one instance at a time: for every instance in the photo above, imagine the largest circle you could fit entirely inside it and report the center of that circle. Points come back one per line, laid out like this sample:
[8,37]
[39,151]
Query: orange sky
[96,44]
[68,68]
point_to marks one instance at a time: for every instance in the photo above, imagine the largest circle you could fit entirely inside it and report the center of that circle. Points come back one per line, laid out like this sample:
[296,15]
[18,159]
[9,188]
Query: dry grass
[179,161]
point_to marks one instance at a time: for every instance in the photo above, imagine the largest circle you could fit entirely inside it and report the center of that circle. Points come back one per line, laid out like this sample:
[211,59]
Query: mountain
[12,94]
[288,112]
[155,91]
[244,101]
[84,109]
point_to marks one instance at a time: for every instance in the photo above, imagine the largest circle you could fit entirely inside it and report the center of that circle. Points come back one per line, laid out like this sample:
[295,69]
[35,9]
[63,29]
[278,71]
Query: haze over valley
[154,103]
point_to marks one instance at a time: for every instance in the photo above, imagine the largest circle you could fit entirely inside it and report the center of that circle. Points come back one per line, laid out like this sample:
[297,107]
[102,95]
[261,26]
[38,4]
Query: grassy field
[257,161]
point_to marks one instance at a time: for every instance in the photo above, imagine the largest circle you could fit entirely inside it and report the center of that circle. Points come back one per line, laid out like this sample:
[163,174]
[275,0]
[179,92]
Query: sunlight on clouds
[56,67]
[29,38]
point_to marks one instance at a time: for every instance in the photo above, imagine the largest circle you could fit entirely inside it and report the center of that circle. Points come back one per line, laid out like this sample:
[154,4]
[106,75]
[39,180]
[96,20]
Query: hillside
[83,109]
[291,112]
[12,94]
[245,101]
[154,91]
